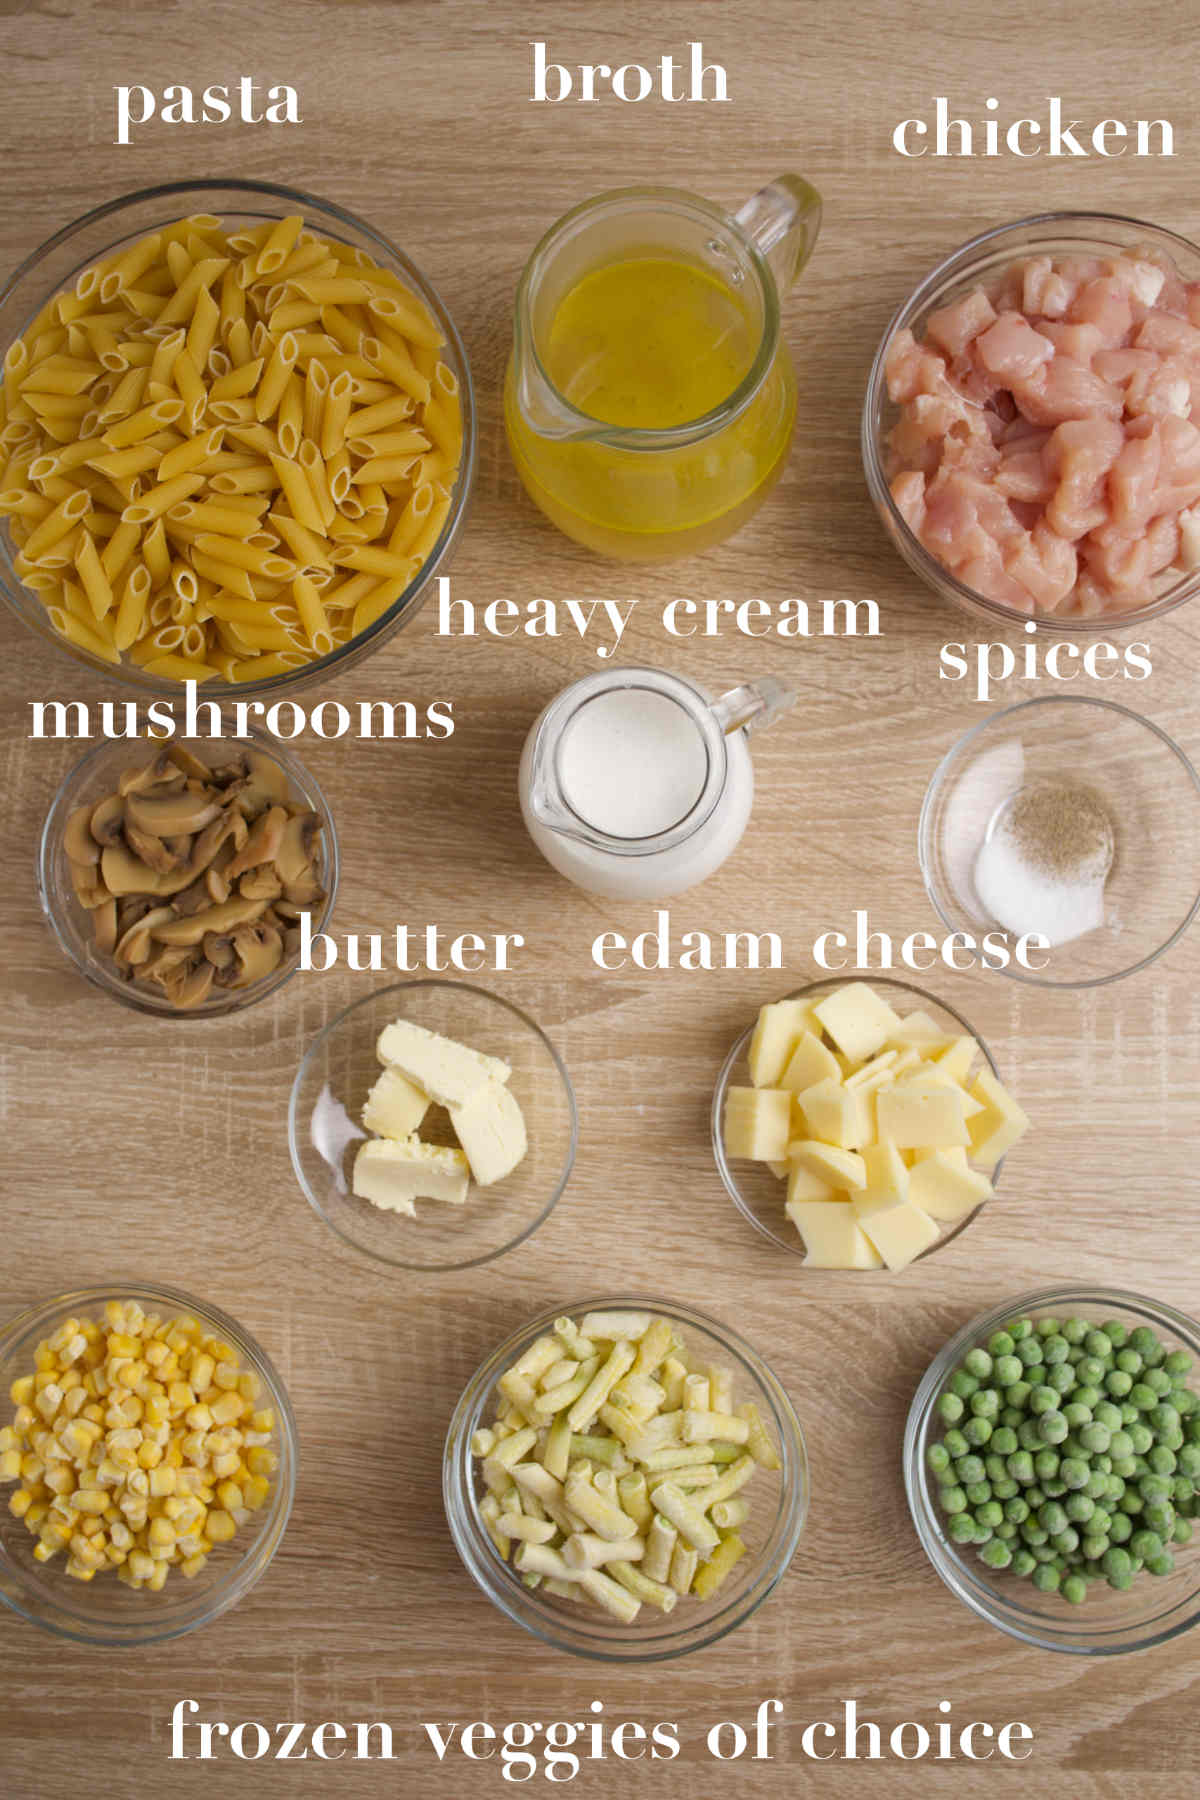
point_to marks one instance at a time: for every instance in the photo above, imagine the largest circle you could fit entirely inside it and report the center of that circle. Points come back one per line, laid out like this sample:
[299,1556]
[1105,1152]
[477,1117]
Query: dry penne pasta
[263,409]
[608,1470]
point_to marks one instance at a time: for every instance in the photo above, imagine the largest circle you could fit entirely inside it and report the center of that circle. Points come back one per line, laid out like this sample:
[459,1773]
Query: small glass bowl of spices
[1071,823]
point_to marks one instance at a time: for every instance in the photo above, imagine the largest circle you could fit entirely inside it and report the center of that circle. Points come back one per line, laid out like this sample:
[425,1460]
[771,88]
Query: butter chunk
[833,1239]
[899,1232]
[995,1130]
[859,1020]
[392,1174]
[491,1130]
[945,1187]
[758,1123]
[914,1117]
[449,1073]
[778,1027]
[840,1168]
[835,1114]
[811,1061]
[394,1106]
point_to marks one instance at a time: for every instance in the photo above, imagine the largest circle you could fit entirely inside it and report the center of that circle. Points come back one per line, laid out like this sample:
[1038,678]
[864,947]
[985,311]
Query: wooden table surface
[134,1146]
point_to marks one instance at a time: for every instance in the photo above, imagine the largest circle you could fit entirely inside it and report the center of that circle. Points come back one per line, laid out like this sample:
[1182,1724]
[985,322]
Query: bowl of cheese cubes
[432,1125]
[861,1124]
[625,1478]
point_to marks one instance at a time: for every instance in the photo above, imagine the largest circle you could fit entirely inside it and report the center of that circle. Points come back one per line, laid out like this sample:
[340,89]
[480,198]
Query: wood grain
[139,1147]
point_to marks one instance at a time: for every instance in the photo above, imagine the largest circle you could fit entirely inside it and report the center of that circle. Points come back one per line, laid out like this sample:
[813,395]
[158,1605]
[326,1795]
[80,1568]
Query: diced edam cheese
[811,1061]
[859,1020]
[945,1186]
[832,1236]
[840,1168]
[758,1123]
[899,1231]
[779,1026]
[995,1130]
[918,1118]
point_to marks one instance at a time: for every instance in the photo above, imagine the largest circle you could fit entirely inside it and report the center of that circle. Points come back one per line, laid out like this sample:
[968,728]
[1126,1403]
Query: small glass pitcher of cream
[650,398]
[636,784]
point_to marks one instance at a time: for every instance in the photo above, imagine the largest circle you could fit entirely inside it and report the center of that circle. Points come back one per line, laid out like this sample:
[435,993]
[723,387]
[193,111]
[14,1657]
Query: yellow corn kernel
[255,1492]
[192,1565]
[140,1565]
[44,1359]
[229,1409]
[220,1527]
[174,1508]
[149,1455]
[173,1457]
[227,1464]
[37,1512]
[249,1385]
[157,1411]
[49,1400]
[77,1570]
[180,1396]
[229,1494]
[261,1461]
[194,1447]
[30,1466]
[120,1535]
[43,1553]
[75,1400]
[93,1413]
[163,1480]
[20,1503]
[9,1439]
[201,1372]
[91,1500]
[158,1580]
[199,1418]
[10,1465]
[60,1480]
[161,1532]
[21,1391]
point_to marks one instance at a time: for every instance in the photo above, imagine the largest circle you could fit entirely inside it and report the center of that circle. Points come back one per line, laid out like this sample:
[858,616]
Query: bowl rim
[1029,977]
[935,575]
[921,1506]
[736,1053]
[293,1121]
[497,1581]
[49,850]
[237,1583]
[408,601]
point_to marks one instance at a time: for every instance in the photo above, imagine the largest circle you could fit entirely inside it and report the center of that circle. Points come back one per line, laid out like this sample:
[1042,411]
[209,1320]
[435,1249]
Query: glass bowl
[985,256]
[1142,780]
[104,1610]
[94,776]
[1108,1623]
[778,1505]
[103,232]
[758,1195]
[324,1128]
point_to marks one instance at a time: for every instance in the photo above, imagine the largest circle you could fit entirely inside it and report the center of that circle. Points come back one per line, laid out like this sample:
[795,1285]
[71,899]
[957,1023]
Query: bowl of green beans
[1052,1465]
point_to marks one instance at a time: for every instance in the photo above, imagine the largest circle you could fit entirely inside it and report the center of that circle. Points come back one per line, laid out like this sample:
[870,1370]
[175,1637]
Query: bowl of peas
[1052,1465]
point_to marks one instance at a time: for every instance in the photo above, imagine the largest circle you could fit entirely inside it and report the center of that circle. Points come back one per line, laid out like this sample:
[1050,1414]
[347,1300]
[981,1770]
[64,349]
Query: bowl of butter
[432,1125]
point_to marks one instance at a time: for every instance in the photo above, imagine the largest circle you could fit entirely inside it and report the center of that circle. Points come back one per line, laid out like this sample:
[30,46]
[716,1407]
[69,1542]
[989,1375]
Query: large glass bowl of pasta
[237,429]
[626,1479]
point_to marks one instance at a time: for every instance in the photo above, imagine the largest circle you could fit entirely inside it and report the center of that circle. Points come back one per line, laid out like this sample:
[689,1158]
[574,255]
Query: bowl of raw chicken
[1031,429]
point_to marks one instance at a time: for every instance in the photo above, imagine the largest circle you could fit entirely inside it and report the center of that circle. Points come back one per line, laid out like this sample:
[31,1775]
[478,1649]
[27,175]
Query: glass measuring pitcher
[636,784]
[650,398]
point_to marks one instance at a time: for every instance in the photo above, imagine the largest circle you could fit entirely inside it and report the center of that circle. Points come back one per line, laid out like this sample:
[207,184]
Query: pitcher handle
[782,220]
[754,706]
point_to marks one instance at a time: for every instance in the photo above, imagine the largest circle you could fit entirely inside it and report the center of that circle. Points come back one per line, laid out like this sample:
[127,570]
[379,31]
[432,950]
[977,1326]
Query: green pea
[1089,1396]
[1054,1490]
[1177,1363]
[978,1492]
[1062,1379]
[1130,1360]
[1053,1427]
[961,1528]
[1055,1350]
[1052,1517]
[1045,1464]
[1122,1582]
[1007,1371]
[1029,1350]
[1118,1383]
[1011,1416]
[1074,1589]
[1164,1419]
[977,1431]
[950,1407]
[1098,1344]
[1097,1484]
[977,1362]
[963,1384]
[1094,1548]
[1075,1330]
[1017,1394]
[1141,1437]
[1034,1495]
[1000,1343]
[1065,1540]
[1024,1562]
[1018,1329]
[1115,1332]
[1005,1531]
[970,1468]
[1161,1564]
[1048,1327]
[1187,1461]
[1155,1487]
[955,1442]
[1073,1473]
[1120,1446]
[1020,1467]
[1046,1578]
[1091,1370]
[1016,1510]
[1079,1508]
[990,1514]
[985,1404]
[1121,1529]
[1158,1381]
[1161,1459]
[1034,1536]
[1036,1375]
[1182,1533]
[1095,1437]
[1143,1396]
[1004,1441]
[1077,1415]
[996,1555]
[1159,1516]
[953,1500]
[1004,1489]
[1146,1544]
[1143,1340]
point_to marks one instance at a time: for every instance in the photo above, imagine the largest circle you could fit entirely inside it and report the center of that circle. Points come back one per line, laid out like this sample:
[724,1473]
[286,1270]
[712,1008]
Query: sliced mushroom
[157,774]
[216,884]
[125,873]
[131,908]
[151,850]
[296,850]
[259,950]
[78,842]
[192,988]
[166,958]
[261,884]
[218,948]
[235,911]
[135,945]
[107,820]
[104,926]
[291,942]
[204,848]
[306,890]
[263,843]
[189,765]
[194,898]
[90,888]
[188,811]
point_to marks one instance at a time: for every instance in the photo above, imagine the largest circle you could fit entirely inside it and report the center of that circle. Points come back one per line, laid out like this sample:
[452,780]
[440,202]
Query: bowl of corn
[147,1464]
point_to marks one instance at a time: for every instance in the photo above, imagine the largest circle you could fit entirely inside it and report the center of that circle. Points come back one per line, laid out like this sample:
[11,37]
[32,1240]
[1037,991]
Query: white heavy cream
[632,763]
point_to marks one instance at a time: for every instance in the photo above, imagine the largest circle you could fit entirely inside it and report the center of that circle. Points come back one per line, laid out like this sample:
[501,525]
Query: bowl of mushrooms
[175,875]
